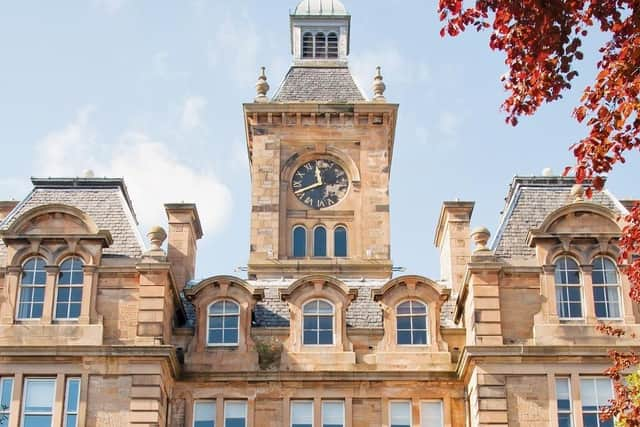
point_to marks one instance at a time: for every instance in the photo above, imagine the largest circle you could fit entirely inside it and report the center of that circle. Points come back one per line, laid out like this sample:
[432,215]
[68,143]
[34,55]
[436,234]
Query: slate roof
[319,84]
[104,200]
[363,312]
[529,201]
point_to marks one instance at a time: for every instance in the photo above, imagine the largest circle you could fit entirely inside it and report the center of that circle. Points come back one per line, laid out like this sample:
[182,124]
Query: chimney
[454,241]
[184,231]
[6,208]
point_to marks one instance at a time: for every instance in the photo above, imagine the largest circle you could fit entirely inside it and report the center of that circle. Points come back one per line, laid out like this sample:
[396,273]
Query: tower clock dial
[320,183]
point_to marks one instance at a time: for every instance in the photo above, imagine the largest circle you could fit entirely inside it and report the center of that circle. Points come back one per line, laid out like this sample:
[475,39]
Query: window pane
[403,322]
[404,337]
[419,337]
[419,322]
[404,308]
[324,307]
[302,414]
[310,337]
[332,414]
[562,394]
[400,413]
[73,390]
[72,421]
[215,336]
[5,393]
[325,337]
[37,421]
[325,322]
[311,307]
[39,395]
[431,414]
[299,242]
[235,414]
[230,336]
[319,241]
[340,242]
[204,414]
[230,322]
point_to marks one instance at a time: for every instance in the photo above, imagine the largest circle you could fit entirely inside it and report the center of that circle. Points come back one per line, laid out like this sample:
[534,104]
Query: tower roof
[320,8]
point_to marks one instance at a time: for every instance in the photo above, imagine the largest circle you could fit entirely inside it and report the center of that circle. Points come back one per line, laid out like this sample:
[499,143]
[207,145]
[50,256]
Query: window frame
[32,286]
[223,315]
[66,411]
[582,406]
[391,402]
[293,241]
[293,402]
[23,412]
[617,286]
[559,411]
[410,316]
[207,401]
[230,401]
[69,286]
[579,285]
[344,415]
[440,403]
[315,32]
[317,314]
[6,412]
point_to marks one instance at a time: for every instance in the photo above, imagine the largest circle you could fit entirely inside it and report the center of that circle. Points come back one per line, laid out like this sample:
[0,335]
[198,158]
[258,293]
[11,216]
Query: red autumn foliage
[541,40]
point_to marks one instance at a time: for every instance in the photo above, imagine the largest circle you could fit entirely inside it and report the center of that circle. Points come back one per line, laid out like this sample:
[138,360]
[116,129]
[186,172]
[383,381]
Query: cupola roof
[320,8]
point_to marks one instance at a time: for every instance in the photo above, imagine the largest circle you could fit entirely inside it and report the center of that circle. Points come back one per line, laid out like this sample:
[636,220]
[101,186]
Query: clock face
[320,183]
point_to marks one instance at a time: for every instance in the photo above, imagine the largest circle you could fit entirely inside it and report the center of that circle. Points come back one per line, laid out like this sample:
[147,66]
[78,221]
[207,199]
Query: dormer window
[69,289]
[320,45]
[318,323]
[568,288]
[223,324]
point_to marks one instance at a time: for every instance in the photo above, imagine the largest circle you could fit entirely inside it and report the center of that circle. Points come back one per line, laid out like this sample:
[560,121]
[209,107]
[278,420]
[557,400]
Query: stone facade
[88,311]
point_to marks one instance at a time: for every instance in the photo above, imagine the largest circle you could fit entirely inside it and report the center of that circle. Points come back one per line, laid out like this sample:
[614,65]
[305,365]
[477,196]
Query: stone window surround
[416,288]
[326,31]
[53,261]
[330,228]
[219,402]
[219,288]
[323,288]
[585,264]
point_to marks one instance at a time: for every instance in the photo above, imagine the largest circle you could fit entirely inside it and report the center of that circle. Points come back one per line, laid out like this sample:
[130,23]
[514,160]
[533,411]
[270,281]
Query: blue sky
[152,91]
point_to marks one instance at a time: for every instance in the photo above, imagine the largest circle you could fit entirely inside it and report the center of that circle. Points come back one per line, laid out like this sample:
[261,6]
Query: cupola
[320,32]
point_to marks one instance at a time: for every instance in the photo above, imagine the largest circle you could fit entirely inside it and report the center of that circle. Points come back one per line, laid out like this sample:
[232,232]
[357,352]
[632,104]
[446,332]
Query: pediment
[582,221]
[53,220]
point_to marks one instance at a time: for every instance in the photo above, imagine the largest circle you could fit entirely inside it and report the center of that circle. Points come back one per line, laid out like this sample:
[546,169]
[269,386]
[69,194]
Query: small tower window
[299,242]
[332,45]
[307,45]
[340,242]
[319,241]
[321,45]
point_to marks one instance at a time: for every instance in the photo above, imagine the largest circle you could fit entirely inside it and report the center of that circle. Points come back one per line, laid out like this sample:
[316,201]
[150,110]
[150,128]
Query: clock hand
[308,187]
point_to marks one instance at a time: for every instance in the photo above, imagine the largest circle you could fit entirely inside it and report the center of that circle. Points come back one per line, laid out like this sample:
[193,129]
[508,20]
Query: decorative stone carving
[156,236]
[577,193]
[480,237]
[262,87]
[378,87]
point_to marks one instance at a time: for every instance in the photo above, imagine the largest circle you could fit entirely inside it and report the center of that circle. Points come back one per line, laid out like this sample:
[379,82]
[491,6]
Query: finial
[547,172]
[378,87]
[577,192]
[480,236]
[262,87]
[156,236]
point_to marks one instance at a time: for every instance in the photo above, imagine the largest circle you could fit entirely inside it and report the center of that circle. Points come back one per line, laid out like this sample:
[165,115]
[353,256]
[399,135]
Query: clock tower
[320,153]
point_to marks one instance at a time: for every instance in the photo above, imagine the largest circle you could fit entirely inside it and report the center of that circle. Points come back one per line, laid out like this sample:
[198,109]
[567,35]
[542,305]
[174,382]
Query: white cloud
[192,112]
[110,6]
[396,68]
[152,173]
[449,124]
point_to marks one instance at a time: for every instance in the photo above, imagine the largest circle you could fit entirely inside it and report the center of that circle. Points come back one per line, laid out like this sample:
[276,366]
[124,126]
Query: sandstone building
[97,328]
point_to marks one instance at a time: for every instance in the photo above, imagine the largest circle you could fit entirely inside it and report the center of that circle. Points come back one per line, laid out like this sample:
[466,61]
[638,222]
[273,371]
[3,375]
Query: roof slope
[529,202]
[104,200]
[319,84]
[320,8]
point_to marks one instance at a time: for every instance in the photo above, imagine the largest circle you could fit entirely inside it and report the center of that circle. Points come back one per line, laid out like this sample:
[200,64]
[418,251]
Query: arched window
[321,45]
[299,241]
[340,242]
[32,285]
[317,323]
[332,45]
[69,289]
[606,288]
[319,241]
[411,323]
[307,45]
[223,323]
[568,288]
